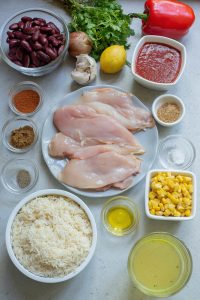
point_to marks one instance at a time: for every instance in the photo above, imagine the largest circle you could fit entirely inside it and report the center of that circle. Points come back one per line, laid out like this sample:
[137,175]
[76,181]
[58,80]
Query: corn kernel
[167,212]
[152,211]
[187,212]
[177,214]
[159,213]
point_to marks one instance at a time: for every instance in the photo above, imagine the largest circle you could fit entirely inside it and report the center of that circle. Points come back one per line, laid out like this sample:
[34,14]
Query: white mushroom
[86,69]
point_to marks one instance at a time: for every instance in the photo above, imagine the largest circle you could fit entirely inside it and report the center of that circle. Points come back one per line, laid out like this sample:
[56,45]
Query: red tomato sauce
[158,62]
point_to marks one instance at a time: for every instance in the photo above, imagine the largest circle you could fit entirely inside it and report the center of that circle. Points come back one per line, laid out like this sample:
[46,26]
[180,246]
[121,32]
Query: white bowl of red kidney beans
[158,62]
[34,41]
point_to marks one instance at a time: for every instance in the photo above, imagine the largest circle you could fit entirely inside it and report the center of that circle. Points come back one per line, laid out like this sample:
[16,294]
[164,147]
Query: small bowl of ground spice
[19,175]
[168,110]
[19,134]
[26,98]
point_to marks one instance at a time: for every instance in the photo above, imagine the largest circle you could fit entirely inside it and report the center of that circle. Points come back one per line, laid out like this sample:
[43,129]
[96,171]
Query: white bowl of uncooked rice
[51,236]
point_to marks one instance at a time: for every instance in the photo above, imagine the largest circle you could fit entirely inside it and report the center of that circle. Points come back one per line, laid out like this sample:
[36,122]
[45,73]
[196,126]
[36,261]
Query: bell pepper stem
[143,17]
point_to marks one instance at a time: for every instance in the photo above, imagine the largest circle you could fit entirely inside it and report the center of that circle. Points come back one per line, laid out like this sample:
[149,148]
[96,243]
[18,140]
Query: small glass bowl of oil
[120,216]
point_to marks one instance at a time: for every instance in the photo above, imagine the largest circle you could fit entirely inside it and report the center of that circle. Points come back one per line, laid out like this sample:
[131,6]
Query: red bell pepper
[169,18]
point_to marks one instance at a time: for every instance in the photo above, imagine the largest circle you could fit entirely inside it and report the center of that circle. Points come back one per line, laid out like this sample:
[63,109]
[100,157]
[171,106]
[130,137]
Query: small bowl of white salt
[168,110]
[176,152]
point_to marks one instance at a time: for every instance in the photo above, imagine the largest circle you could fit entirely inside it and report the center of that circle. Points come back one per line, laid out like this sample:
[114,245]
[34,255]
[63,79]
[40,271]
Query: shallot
[79,43]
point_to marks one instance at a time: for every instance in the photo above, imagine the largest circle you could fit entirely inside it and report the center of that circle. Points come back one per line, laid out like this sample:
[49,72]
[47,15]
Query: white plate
[148,139]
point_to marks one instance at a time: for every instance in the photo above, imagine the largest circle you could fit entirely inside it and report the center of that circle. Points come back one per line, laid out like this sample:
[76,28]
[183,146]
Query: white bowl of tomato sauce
[158,62]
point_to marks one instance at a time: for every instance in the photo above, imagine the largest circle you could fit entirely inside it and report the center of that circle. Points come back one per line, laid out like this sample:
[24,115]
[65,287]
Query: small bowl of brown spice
[26,98]
[168,110]
[19,134]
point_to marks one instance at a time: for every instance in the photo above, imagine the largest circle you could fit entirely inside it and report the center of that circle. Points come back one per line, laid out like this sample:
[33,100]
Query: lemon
[113,59]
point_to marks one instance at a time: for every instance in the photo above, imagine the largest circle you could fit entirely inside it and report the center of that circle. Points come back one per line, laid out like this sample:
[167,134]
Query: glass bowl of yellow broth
[120,216]
[160,264]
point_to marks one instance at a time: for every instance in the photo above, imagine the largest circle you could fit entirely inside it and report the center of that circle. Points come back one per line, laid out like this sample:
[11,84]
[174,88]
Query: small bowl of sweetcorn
[170,195]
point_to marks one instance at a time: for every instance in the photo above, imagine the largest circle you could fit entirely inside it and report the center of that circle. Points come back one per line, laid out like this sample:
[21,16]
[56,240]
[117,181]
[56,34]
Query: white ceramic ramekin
[150,174]
[172,99]
[161,40]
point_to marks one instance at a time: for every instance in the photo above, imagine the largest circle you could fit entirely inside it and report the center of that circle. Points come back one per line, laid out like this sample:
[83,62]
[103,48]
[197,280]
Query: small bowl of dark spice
[19,175]
[19,134]
[26,98]
[168,110]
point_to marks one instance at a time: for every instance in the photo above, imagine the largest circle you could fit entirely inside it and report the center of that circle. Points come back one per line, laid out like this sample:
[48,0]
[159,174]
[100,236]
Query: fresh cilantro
[103,21]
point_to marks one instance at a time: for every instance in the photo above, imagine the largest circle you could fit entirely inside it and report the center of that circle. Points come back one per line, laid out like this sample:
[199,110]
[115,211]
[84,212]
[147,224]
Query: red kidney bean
[7,40]
[27,27]
[54,41]
[13,43]
[25,45]
[42,39]
[53,26]
[27,37]
[10,34]
[55,50]
[32,66]
[46,29]
[30,30]
[14,26]
[26,60]
[36,22]
[35,35]
[35,59]
[37,46]
[39,19]
[50,53]
[59,37]
[19,35]
[12,55]
[19,54]
[25,19]
[17,62]
[43,56]
[21,25]
[60,49]
[13,50]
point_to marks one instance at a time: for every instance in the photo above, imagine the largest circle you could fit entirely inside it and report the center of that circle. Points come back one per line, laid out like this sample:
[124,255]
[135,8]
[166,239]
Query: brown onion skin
[79,43]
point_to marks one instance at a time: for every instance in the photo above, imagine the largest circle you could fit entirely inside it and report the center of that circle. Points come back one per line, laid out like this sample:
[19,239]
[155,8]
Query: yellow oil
[120,218]
[156,264]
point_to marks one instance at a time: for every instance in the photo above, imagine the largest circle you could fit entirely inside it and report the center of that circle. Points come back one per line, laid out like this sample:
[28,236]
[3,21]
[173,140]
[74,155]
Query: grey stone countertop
[106,277]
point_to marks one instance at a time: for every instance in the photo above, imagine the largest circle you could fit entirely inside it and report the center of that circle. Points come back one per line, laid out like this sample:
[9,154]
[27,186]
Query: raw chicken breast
[102,170]
[122,102]
[84,125]
[63,146]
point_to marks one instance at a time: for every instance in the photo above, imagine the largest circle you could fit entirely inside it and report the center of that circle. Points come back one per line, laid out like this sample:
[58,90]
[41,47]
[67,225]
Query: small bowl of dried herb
[26,98]
[168,110]
[19,134]
[19,175]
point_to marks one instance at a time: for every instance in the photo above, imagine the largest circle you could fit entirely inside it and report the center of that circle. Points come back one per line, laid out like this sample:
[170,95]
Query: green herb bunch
[103,21]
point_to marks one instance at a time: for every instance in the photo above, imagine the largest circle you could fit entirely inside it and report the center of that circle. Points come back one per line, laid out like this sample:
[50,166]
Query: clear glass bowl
[176,152]
[38,13]
[126,221]
[16,123]
[25,85]
[10,171]
[160,264]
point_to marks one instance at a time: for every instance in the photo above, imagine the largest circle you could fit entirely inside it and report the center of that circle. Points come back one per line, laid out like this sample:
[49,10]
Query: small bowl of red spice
[19,134]
[26,98]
